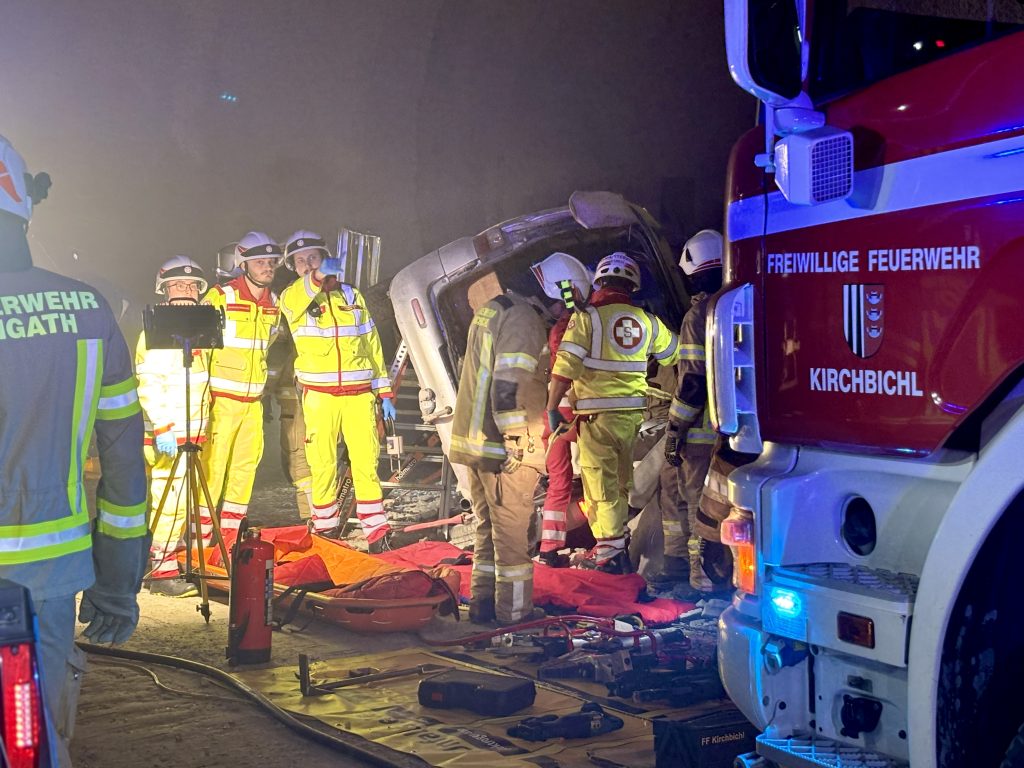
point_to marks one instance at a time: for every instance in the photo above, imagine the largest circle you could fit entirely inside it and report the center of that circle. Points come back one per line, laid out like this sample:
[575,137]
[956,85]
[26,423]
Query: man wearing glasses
[161,388]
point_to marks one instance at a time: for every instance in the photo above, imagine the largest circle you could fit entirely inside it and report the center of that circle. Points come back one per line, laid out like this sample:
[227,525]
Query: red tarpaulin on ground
[302,558]
[592,593]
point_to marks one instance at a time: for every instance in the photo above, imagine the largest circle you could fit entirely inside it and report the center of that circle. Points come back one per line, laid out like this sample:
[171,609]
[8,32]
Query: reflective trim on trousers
[606,549]
[372,519]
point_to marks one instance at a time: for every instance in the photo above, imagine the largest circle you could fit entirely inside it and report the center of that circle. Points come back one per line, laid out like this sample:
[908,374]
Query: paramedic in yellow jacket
[603,358]
[497,433]
[161,375]
[340,367]
[238,374]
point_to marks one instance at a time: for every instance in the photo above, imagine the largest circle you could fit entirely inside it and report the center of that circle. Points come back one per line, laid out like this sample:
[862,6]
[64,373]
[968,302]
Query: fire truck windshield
[859,42]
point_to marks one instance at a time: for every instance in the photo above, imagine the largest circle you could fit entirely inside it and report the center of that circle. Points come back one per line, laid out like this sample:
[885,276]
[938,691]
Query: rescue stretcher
[322,578]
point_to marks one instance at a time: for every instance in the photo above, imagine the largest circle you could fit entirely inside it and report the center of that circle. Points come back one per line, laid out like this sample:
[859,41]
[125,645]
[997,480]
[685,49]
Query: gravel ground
[125,720]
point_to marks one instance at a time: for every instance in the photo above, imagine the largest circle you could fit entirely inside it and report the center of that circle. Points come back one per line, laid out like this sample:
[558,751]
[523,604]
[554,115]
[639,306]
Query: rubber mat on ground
[388,713]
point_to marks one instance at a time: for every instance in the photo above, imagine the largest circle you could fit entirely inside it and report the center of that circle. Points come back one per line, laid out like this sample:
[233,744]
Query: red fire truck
[869,346]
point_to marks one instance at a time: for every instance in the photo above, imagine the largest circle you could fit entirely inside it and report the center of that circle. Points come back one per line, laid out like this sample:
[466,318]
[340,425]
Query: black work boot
[673,571]
[383,544]
[173,587]
[481,612]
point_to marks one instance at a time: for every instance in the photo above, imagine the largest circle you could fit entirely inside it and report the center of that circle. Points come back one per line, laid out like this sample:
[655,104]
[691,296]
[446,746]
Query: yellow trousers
[606,442]
[168,529]
[234,447]
[352,418]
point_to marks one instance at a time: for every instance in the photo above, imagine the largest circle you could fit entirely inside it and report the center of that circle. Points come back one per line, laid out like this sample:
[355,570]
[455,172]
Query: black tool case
[483,693]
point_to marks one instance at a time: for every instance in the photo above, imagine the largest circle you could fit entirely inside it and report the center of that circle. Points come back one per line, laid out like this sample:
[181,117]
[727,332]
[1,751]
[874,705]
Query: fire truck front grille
[898,585]
[812,753]
[832,168]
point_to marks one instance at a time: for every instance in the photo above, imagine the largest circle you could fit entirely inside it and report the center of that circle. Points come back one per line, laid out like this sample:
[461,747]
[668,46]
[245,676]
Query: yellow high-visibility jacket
[161,375]
[502,388]
[239,370]
[336,342]
[604,353]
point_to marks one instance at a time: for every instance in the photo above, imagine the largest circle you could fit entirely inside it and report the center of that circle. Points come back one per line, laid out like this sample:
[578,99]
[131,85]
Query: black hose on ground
[227,679]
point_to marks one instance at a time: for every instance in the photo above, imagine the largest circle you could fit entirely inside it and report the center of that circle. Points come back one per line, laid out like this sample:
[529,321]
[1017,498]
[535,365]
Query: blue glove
[166,442]
[332,267]
[555,419]
[387,407]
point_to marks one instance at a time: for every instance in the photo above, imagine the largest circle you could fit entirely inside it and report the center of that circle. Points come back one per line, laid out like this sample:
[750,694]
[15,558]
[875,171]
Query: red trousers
[559,497]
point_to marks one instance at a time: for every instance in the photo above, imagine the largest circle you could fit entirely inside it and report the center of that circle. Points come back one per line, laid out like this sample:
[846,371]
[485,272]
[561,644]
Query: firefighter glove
[555,419]
[387,408]
[109,607]
[334,267]
[166,443]
[675,447]
[513,460]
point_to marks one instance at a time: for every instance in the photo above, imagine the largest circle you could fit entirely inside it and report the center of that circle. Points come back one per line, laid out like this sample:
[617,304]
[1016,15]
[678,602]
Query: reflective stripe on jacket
[605,350]
[239,370]
[336,342]
[161,375]
[65,375]
[502,388]
[689,411]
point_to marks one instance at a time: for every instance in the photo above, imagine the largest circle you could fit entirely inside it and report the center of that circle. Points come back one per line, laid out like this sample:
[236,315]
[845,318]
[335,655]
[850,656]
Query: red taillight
[417,310]
[22,708]
[738,534]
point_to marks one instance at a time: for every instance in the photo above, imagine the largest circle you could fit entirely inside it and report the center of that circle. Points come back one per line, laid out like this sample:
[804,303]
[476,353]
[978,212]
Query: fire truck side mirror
[765,48]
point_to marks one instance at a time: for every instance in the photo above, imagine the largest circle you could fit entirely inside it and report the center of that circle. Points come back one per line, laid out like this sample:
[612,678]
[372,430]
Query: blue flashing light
[786,603]
[228,97]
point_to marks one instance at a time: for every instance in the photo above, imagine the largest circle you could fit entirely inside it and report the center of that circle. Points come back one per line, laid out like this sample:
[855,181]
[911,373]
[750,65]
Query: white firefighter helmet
[14,192]
[559,273]
[227,268]
[180,268]
[618,265]
[256,245]
[303,240]
[701,252]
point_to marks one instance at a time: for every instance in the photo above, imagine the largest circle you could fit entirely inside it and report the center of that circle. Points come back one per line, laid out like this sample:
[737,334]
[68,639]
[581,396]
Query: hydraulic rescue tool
[590,721]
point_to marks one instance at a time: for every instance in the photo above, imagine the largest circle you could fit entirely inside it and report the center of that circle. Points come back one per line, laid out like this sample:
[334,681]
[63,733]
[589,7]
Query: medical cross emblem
[628,333]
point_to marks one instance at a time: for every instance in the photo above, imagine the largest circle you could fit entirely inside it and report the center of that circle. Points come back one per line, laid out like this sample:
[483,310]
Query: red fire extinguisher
[250,608]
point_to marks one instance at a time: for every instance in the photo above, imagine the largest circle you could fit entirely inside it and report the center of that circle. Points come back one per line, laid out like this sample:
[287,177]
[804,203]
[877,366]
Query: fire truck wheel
[982,671]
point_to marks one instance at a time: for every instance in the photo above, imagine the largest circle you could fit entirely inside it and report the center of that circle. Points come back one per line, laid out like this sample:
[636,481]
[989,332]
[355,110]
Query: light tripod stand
[195,481]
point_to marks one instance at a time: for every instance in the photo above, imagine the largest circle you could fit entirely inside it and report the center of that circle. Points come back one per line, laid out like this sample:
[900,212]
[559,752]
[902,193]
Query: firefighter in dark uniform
[65,376]
[691,439]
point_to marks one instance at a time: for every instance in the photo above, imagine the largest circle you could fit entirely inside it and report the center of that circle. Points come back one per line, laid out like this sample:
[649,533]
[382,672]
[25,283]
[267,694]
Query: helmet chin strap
[253,280]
